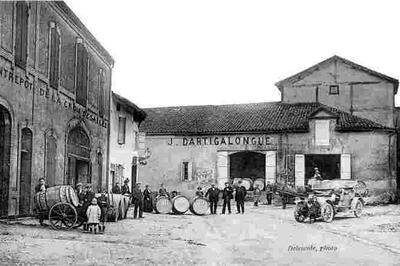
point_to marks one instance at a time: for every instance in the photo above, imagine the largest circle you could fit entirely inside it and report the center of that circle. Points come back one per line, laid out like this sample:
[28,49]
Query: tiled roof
[268,117]
[334,58]
[138,113]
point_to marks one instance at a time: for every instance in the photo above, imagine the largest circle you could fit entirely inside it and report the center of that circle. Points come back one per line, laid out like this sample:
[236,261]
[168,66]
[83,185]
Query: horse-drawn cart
[60,205]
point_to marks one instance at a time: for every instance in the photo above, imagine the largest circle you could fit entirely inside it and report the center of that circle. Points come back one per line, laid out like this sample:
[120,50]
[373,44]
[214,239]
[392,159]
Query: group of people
[228,194]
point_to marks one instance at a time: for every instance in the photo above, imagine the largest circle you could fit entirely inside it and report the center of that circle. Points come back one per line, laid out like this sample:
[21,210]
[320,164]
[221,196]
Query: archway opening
[247,164]
[78,150]
[5,148]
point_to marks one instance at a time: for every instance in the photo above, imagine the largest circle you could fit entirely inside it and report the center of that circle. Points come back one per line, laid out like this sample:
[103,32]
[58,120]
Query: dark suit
[213,194]
[239,197]
[137,200]
[116,190]
[125,189]
[227,195]
[269,191]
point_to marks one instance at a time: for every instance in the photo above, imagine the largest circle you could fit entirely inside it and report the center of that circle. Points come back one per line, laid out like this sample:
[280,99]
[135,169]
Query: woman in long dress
[148,203]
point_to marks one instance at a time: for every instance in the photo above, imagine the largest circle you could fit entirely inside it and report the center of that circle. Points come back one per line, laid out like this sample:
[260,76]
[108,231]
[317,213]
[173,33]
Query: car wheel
[327,212]
[358,209]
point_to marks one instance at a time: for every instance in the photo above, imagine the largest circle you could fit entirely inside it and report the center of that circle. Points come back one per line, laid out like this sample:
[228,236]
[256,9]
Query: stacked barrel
[180,205]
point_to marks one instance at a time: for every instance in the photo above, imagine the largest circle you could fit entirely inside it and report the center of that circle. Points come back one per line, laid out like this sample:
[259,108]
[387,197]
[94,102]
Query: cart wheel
[358,209]
[62,216]
[327,212]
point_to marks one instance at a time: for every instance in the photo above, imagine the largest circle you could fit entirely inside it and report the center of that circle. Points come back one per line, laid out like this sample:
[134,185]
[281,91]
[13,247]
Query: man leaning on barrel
[213,194]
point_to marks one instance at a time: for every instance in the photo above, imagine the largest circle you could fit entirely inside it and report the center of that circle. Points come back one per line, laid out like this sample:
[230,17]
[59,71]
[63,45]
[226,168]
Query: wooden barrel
[236,181]
[199,205]
[46,199]
[180,204]
[162,204]
[247,183]
[260,182]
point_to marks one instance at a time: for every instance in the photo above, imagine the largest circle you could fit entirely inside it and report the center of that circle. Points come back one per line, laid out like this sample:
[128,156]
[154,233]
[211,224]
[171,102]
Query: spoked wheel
[327,212]
[63,216]
[358,209]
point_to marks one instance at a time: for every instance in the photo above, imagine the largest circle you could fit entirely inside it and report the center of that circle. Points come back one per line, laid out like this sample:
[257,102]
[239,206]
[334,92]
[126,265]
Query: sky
[184,52]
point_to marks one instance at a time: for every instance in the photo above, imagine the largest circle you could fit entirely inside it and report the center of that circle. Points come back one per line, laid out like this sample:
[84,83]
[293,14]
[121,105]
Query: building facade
[55,80]
[126,142]
[337,116]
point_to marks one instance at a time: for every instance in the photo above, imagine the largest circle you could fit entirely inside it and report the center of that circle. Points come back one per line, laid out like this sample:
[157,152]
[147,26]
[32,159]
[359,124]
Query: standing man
[41,187]
[240,196]
[227,195]
[125,187]
[213,193]
[116,189]
[256,195]
[268,189]
[137,200]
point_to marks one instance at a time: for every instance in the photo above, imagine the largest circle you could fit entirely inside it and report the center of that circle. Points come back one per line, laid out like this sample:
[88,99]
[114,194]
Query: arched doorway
[25,179]
[247,164]
[78,152]
[5,148]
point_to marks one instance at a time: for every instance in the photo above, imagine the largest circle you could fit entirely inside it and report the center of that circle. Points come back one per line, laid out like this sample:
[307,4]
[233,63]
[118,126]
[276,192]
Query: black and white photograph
[214,132]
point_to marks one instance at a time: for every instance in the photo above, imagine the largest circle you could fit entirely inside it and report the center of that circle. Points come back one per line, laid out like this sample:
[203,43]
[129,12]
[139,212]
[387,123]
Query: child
[93,214]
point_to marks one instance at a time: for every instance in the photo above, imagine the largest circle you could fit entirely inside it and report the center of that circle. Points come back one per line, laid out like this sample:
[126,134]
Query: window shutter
[54,57]
[101,92]
[81,74]
[222,168]
[270,166]
[142,141]
[345,165]
[121,130]
[190,171]
[182,165]
[21,38]
[299,166]
[322,132]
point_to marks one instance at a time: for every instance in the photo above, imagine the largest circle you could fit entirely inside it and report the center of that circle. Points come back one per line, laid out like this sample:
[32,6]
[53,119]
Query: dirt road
[264,235]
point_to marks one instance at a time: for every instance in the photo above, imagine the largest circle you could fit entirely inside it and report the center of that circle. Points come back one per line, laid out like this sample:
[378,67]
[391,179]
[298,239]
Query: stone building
[126,142]
[337,116]
[55,80]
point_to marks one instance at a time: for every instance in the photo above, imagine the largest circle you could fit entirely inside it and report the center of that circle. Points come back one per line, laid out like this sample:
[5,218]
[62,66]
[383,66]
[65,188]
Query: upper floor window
[322,132]
[334,90]
[121,130]
[21,38]
[82,64]
[186,171]
[101,92]
[55,43]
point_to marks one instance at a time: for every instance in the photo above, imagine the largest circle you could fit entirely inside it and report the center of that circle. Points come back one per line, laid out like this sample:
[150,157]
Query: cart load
[199,205]
[180,204]
[60,205]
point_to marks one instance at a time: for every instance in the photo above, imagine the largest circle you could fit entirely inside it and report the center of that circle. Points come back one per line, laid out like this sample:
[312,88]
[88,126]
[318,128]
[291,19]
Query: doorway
[247,164]
[25,179]
[328,166]
[79,167]
[5,149]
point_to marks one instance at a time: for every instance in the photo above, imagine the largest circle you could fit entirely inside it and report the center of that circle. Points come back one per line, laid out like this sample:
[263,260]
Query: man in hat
[137,200]
[227,195]
[162,191]
[213,194]
[80,193]
[240,195]
[117,188]
[199,192]
[125,187]
[268,189]
[42,186]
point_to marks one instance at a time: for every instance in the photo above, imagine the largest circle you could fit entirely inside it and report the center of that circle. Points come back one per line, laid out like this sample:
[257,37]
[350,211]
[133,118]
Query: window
[334,90]
[121,130]
[322,132]
[81,73]
[51,163]
[21,38]
[101,92]
[186,171]
[118,107]
[55,42]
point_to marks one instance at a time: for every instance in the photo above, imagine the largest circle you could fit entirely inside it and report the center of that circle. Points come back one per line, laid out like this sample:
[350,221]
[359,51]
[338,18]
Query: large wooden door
[5,147]
[25,179]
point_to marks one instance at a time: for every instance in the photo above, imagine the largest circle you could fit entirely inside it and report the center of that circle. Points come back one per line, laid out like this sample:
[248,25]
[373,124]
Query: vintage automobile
[329,197]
